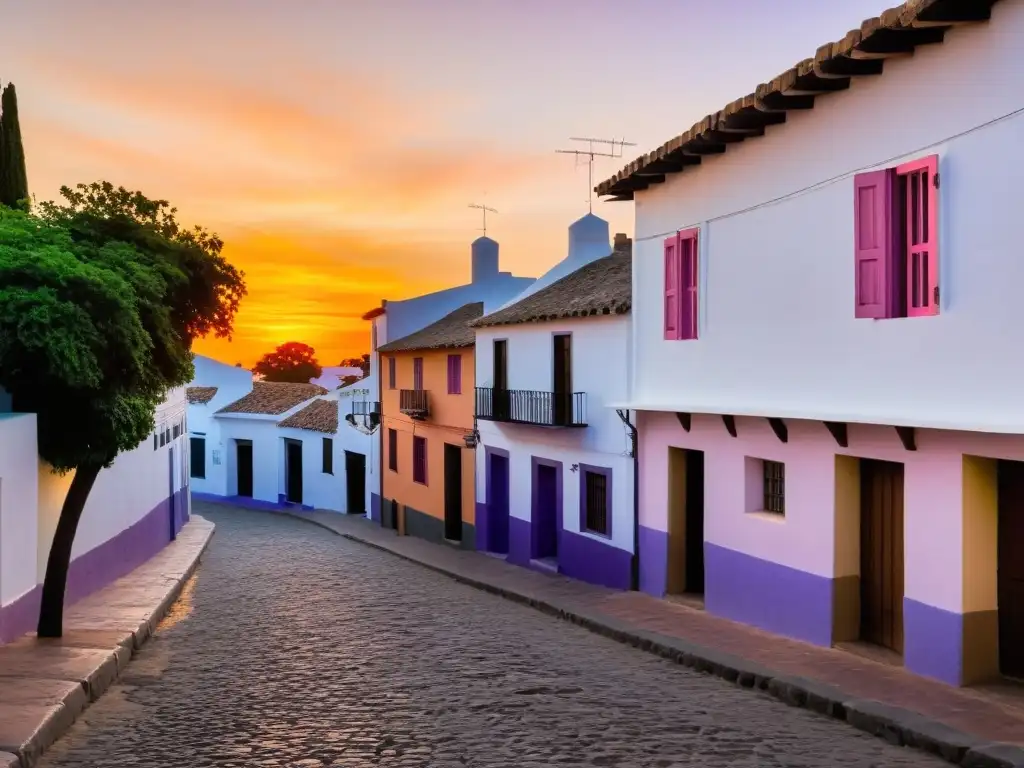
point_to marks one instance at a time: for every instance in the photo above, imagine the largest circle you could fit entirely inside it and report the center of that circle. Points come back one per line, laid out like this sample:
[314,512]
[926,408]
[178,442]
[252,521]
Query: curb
[79,696]
[896,725]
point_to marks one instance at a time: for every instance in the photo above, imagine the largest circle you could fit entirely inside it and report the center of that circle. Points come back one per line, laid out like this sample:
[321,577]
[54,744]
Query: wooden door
[881,554]
[1010,568]
[502,404]
[562,389]
[243,458]
[695,522]
[452,492]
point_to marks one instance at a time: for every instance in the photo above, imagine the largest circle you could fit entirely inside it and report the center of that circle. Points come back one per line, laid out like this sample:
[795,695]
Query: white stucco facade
[231,383]
[18,504]
[776,219]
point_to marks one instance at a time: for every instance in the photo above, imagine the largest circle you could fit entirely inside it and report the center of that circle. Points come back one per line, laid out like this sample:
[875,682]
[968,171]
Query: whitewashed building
[555,465]
[136,507]
[214,386]
[394,320]
[823,347]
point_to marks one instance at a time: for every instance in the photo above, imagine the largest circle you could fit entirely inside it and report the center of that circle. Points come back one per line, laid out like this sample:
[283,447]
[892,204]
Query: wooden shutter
[419,460]
[393,450]
[672,288]
[921,235]
[454,374]
[391,373]
[874,247]
[417,373]
[689,257]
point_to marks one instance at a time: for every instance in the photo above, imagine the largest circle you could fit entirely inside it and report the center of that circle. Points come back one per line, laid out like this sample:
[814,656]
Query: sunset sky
[335,144]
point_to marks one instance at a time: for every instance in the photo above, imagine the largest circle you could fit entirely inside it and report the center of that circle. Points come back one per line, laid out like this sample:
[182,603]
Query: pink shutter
[874,247]
[921,236]
[688,260]
[672,297]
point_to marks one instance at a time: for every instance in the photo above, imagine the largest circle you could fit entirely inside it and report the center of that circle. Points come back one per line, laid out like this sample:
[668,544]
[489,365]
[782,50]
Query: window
[681,286]
[896,255]
[393,450]
[163,438]
[419,460]
[391,373]
[197,457]
[417,373]
[774,474]
[328,456]
[596,517]
[454,374]
[176,433]
[156,442]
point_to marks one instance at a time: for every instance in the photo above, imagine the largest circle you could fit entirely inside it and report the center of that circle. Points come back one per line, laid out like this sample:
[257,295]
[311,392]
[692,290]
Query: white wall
[232,383]
[777,328]
[599,358]
[18,501]
[267,456]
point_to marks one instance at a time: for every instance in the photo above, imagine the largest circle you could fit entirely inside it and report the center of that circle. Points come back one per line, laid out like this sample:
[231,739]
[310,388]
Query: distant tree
[238,365]
[362,363]
[292,361]
[348,381]
[13,177]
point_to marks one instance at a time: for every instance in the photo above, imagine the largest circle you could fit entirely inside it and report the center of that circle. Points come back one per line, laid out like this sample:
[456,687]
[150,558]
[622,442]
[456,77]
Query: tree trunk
[51,608]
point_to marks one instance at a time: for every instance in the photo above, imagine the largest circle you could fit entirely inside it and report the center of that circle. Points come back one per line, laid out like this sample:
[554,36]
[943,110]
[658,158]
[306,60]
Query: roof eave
[861,53]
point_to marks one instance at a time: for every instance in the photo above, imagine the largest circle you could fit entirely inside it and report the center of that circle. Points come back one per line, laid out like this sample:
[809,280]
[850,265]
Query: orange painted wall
[450,419]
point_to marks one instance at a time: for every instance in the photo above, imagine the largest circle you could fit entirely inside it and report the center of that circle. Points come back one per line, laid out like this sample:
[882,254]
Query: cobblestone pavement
[295,647]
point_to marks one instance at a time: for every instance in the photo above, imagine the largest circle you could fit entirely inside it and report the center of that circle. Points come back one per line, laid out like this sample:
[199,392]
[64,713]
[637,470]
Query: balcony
[525,406]
[365,407]
[413,402]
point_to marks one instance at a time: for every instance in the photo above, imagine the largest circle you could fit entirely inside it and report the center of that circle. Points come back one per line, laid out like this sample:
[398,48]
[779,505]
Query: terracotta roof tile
[318,416]
[273,397]
[200,395]
[861,52]
[602,287]
[450,331]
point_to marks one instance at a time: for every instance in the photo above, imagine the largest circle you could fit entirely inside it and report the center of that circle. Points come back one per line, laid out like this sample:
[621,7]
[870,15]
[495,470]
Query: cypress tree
[13,176]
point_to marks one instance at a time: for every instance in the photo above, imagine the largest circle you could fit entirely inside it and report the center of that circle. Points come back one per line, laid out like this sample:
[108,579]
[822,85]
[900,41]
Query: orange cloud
[322,197]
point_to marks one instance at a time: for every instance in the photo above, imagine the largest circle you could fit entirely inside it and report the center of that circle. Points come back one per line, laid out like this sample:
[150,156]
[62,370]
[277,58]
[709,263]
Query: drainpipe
[634,563]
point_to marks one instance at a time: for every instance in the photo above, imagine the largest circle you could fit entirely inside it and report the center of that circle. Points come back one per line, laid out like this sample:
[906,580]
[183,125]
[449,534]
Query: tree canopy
[101,298]
[292,361]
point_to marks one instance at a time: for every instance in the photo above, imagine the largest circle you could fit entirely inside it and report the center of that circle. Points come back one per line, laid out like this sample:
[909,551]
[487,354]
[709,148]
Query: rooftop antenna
[484,209]
[615,146]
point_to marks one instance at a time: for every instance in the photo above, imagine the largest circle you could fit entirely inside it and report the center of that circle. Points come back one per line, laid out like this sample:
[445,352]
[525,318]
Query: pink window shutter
[874,247]
[922,235]
[672,297]
[688,281]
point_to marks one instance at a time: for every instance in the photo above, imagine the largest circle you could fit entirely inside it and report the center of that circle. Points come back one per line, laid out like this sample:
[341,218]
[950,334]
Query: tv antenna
[616,147]
[484,209]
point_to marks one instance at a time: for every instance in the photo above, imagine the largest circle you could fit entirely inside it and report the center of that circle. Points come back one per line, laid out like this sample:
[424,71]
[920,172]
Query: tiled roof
[450,331]
[200,395]
[273,397]
[318,416]
[602,287]
[861,52]
[375,312]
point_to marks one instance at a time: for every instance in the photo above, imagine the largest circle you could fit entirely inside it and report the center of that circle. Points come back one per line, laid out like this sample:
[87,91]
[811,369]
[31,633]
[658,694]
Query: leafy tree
[100,301]
[348,381]
[292,361]
[13,177]
[363,363]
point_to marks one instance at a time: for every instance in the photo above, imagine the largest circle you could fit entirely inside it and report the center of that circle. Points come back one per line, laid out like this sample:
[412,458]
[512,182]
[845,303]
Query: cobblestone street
[296,647]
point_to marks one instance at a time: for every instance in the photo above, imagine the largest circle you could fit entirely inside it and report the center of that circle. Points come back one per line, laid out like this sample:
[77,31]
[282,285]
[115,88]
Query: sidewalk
[45,684]
[976,727]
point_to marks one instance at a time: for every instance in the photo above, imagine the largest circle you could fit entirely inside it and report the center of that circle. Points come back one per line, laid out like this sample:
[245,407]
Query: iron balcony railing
[365,407]
[413,402]
[525,406]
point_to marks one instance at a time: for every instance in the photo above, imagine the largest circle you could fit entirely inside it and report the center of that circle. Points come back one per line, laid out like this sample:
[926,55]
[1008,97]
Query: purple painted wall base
[520,541]
[767,595]
[251,503]
[595,562]
[933,642]
[653,561]
[114,558]
[482,525]
[375,507]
